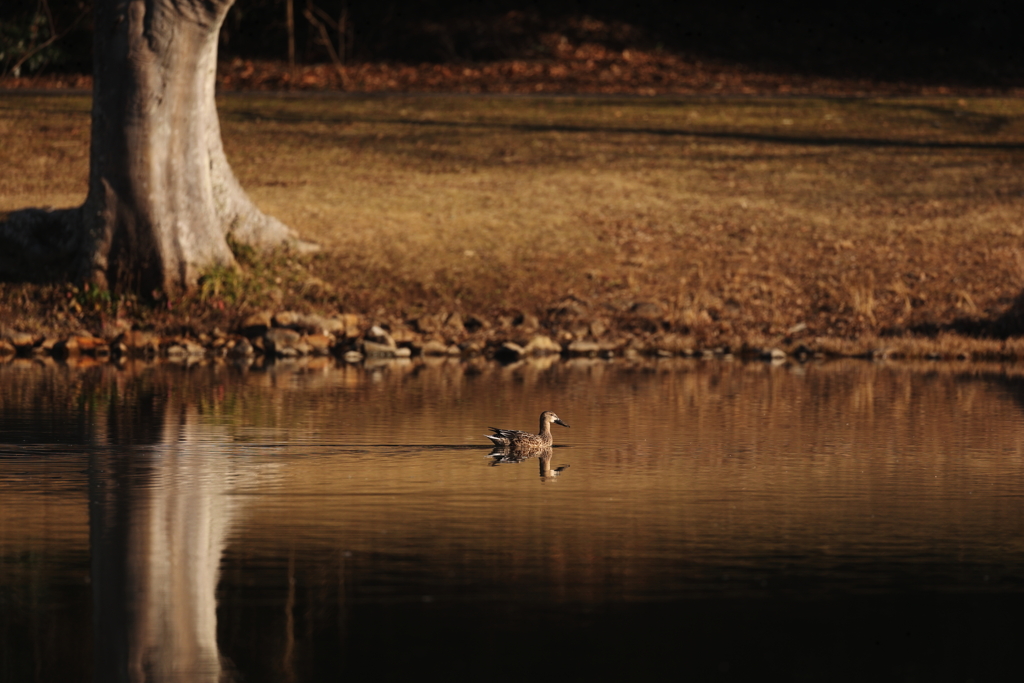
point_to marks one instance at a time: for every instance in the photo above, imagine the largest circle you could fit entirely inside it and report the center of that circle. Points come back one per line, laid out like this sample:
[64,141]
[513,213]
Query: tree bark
[162,197]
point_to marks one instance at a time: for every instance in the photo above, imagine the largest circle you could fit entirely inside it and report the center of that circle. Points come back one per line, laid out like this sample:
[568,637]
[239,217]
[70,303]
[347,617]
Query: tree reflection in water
[159,520]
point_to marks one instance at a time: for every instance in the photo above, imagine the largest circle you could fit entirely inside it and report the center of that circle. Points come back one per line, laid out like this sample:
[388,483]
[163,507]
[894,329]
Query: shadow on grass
[770,138]
[38,245]
[1004,326]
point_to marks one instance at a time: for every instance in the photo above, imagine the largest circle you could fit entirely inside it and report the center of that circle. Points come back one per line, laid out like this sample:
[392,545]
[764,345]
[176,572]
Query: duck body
[513,438]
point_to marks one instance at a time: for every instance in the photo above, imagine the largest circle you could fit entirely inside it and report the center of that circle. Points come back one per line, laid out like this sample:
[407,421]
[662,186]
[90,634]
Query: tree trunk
[162,198]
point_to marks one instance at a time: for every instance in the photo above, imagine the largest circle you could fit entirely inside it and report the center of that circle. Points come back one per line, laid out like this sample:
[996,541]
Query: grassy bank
[836,225]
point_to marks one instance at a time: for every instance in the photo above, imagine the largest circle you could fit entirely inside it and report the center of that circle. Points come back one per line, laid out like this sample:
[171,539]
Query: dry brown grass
[840,223]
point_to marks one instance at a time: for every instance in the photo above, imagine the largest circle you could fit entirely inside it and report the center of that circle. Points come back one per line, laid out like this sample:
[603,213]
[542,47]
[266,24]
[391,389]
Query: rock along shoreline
[354,339]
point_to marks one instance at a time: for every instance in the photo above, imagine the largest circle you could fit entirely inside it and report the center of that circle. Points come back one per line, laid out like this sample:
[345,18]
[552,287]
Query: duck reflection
[502,455]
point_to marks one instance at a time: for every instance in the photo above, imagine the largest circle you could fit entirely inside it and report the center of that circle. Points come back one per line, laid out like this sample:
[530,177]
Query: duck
[512,438]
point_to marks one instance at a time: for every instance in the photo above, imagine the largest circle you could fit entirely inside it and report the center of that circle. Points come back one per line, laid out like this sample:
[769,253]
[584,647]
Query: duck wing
[504,436]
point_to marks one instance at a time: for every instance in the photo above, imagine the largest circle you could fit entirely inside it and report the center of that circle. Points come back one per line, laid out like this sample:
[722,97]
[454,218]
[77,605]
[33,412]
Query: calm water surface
[843,521]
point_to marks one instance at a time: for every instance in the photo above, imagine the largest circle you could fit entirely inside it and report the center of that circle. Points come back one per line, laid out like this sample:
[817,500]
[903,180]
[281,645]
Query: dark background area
[975,43]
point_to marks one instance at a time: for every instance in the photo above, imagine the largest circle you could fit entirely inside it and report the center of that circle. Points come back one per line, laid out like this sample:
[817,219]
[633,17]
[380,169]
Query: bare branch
[54,37]
[326,39]
[49,16]
[327,19]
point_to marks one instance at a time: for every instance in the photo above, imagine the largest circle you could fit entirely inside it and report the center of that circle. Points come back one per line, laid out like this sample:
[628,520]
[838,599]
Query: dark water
[716,521]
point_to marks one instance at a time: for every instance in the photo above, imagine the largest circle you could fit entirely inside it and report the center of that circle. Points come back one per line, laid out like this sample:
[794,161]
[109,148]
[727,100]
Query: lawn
[691,222]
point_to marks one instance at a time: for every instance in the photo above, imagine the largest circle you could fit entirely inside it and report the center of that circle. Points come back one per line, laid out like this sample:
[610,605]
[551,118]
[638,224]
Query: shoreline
[354,339]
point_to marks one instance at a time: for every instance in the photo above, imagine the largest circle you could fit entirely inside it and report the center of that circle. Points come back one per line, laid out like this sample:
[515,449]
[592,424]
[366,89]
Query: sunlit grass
[724,220]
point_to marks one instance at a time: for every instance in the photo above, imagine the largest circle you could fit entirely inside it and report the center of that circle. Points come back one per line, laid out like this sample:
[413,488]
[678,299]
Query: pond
[318,521]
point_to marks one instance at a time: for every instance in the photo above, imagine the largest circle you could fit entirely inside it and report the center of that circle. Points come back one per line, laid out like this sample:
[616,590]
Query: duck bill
[559,422]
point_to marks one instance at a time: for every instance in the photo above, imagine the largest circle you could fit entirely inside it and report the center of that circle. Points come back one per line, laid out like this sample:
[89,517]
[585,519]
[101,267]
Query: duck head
[549,416]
